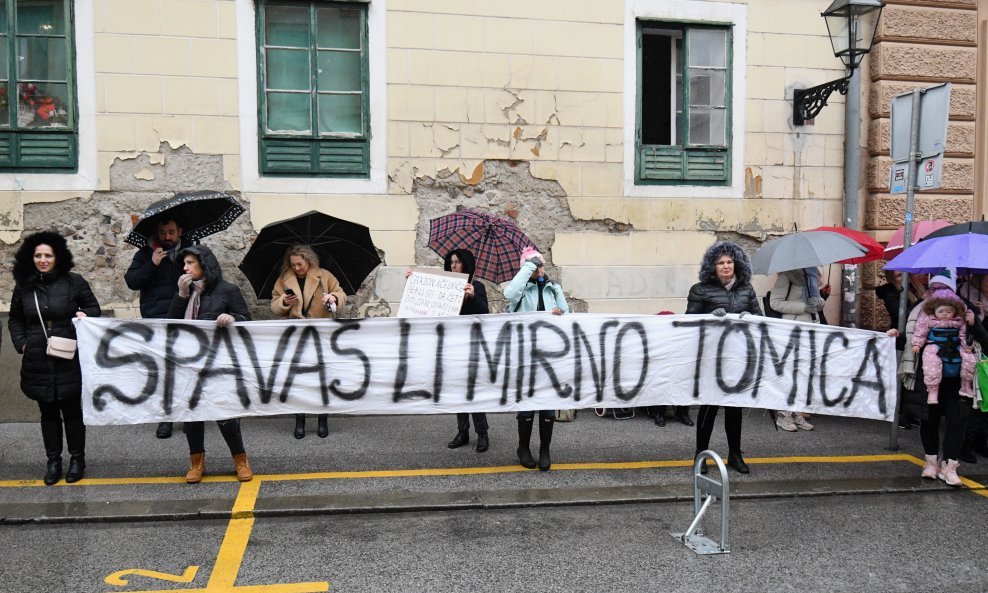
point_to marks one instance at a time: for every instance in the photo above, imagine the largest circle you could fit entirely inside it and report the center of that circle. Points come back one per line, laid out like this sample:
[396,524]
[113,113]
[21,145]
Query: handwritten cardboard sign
[432,293]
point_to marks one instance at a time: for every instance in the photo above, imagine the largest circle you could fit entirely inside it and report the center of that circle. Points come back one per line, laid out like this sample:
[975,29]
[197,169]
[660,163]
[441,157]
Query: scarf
[192,309]
[731,283]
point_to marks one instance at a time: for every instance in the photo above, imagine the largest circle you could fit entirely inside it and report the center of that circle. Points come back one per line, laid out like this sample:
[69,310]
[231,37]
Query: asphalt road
[383,505]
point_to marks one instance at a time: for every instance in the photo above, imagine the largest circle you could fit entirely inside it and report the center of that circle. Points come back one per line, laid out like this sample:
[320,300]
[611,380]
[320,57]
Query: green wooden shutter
[345,153]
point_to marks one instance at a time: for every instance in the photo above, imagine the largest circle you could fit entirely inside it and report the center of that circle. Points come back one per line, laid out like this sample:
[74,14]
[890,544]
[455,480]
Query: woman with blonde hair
[303,291]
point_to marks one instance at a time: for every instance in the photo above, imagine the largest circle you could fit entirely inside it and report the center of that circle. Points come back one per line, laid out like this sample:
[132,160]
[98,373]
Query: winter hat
[666,313]
[943,296]
[947,277]
[528,253]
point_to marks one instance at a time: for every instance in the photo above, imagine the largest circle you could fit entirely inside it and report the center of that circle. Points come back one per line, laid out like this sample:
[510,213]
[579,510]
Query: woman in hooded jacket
[46,288]
[203,294]
[531,290]
[724,287]
[474,303]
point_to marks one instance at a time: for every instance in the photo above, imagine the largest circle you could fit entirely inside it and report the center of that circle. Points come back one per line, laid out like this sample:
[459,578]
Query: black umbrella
[199,213]
[344,248]
[978,228]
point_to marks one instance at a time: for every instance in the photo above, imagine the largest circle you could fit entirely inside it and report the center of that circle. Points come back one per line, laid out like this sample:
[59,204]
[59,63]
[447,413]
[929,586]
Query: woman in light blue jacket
[530,290]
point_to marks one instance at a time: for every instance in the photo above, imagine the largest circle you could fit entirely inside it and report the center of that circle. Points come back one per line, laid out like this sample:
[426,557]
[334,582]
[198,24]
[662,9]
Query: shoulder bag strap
[37,307]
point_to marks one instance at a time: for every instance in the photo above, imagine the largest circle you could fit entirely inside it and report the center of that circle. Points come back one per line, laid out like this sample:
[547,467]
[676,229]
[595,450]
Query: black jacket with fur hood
[478,304]
[709,294]
[61,293]
[220,296]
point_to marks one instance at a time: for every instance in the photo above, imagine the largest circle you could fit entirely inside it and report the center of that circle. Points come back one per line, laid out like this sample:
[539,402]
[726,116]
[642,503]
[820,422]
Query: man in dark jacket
[154,272]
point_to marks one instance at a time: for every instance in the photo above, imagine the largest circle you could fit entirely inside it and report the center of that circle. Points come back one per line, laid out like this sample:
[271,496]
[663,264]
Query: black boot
[75,437]
[524,437]
[462,438]
[736,462]
[683,415]
[323,426]
[51,433]
[299,426]
[164,430]
[483,443]
[545,438]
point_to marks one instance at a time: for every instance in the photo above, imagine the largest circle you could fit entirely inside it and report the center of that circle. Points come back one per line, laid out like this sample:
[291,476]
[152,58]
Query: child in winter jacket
[942,329]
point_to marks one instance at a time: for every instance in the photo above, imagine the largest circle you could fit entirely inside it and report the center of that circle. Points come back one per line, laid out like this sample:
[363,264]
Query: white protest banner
[432,293]
[137,371]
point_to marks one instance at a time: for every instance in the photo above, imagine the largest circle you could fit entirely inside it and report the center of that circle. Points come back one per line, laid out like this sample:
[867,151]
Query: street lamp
[851,25]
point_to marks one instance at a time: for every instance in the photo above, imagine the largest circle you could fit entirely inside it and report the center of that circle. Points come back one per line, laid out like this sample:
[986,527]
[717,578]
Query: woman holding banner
[304,290]
[462,261]
[203,294]
[47,297]
[724,287]
[531,290]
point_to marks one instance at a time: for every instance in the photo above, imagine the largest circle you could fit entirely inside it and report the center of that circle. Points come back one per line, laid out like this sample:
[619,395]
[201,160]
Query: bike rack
[693,538]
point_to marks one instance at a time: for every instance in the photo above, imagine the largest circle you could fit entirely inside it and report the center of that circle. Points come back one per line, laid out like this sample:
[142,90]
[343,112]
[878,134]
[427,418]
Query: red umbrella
[921,228]
[875,249]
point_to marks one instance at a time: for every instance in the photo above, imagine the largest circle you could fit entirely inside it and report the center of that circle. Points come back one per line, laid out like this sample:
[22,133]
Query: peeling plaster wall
[517,107]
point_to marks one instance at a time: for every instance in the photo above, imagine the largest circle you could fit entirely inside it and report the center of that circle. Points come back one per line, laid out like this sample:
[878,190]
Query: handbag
[57,347]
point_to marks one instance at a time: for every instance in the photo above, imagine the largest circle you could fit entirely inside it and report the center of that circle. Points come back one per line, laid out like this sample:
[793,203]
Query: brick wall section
[920,43]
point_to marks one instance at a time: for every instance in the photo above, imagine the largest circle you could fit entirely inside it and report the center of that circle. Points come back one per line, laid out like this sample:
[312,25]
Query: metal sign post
[917,164]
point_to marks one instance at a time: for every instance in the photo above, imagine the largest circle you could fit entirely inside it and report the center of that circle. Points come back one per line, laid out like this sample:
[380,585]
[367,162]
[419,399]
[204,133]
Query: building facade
[623,137]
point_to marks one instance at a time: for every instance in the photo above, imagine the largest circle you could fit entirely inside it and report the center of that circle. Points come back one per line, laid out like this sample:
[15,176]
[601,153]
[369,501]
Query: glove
[814,305]
[224,320]
[719,312]
[184,283]
[536,260]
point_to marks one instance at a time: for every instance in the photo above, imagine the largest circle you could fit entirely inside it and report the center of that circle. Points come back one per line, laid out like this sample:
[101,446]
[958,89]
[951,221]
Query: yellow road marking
[472,471]
[117,578]
[235,541]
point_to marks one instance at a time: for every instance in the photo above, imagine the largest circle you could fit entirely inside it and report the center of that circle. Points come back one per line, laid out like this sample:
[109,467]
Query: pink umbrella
[921,228]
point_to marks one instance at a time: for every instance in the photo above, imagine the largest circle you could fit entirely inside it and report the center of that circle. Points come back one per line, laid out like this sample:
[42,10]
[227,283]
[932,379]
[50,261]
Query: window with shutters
[38,112]
[683,132]
[313,89]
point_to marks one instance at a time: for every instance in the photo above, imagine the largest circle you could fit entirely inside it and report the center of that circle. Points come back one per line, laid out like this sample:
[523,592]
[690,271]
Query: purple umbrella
[968,253]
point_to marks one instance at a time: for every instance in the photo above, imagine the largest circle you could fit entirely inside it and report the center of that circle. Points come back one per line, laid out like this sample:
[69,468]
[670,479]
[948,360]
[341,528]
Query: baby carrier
[948,341]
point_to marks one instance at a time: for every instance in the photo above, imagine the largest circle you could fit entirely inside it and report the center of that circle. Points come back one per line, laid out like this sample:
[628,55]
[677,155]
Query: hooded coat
[523,293]
[709,294]
[157,283]
[219,296]
[61,293]
[478,304]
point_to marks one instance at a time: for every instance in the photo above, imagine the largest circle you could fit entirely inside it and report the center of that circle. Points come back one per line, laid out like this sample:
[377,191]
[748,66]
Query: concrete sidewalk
[401,463]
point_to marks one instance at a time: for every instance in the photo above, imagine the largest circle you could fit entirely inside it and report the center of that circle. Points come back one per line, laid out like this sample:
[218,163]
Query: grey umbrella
[803,250]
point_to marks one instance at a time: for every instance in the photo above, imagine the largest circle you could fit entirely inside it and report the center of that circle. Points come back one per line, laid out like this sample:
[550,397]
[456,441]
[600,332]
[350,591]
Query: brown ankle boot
[197,467]
[244,473]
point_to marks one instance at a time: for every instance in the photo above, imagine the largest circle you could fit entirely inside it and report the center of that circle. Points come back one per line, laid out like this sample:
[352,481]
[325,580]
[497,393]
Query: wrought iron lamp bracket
[808,103]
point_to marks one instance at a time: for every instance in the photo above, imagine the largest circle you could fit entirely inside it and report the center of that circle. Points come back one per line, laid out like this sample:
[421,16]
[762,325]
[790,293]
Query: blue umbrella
[968,253]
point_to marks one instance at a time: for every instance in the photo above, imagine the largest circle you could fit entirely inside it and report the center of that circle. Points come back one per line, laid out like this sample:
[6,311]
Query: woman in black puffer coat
[724,287]
[203,294]
[42,268]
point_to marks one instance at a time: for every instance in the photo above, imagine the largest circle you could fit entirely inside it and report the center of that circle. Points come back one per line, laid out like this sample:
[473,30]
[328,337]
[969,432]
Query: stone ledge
[919,62]
[885,211]
[928,24]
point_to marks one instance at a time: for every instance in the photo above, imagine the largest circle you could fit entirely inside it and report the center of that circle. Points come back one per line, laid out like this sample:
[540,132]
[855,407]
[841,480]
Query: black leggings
[195,433]
[705,418]
[953,408]
[70,410]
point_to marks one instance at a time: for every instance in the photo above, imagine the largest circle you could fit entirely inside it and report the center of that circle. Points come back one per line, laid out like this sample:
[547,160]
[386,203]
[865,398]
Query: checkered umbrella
[496,242]
[199,213]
